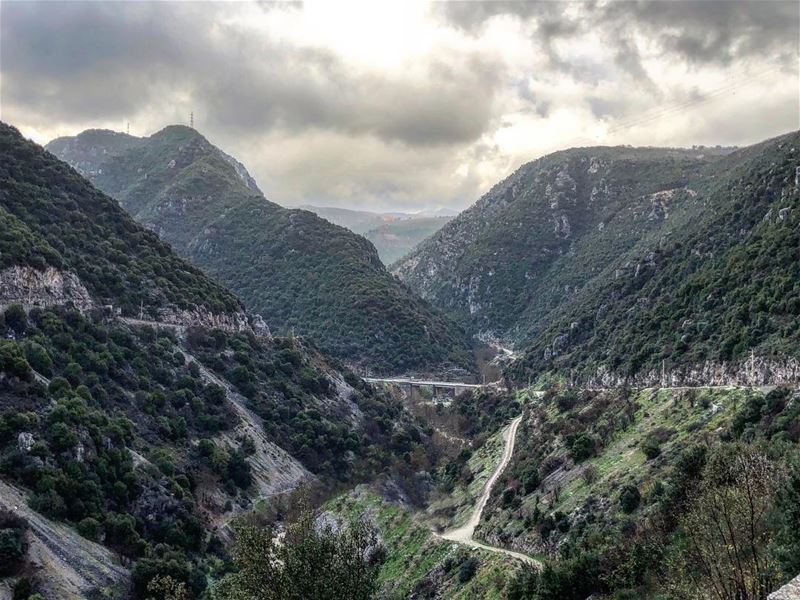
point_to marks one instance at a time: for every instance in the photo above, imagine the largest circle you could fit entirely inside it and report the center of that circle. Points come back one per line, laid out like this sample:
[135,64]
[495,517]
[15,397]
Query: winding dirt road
[464,534]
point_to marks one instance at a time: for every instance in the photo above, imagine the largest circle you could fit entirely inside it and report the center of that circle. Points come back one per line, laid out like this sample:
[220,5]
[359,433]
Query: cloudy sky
[404,105]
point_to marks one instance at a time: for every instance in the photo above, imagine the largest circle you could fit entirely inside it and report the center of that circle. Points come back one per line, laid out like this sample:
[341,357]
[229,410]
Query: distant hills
[299,271]
[393,234]
[627,260]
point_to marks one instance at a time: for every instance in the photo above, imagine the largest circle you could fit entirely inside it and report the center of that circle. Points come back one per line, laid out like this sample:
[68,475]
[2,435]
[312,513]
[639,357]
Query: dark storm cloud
[75,61]
[700,31]
[714,31]
[301,89]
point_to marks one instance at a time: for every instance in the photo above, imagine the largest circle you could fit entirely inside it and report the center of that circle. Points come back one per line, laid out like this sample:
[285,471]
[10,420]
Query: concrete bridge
[436,385]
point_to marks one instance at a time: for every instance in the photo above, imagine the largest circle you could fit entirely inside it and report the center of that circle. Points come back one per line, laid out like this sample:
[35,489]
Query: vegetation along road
[464,534]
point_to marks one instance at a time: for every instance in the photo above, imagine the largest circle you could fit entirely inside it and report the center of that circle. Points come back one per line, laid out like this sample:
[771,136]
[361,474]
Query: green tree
[16,318]
[311,561]
[629,498]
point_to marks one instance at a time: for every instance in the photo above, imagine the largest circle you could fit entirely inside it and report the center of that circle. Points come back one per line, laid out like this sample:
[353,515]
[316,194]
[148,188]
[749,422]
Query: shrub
[89,528]
[629,498]
[651,448]
[468,569]
[583,446]
[16,319]
[38,358]
[13,547]
[530,478]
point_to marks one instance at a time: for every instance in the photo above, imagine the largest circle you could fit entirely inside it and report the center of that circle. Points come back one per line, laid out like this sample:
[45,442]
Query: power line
[676,108]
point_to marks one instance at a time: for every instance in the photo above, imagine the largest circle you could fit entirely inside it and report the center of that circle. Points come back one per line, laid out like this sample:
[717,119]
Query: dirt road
[464,534]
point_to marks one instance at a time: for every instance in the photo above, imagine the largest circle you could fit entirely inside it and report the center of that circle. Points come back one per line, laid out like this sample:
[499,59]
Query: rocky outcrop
[791,591]
[178,319]
[199,316]
[755,371]
[31,288]
[66,565]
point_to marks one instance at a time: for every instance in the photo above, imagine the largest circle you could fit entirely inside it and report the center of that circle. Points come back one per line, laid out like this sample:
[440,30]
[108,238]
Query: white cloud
[403,104]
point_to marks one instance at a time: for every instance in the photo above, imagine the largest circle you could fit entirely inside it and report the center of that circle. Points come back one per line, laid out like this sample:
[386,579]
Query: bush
[530,478]
[23,589]
[629,498]
[468,569]
[89,528]
[583,446]
[38,358]
[651,448]
[16,319]
[13,546]
[590,474]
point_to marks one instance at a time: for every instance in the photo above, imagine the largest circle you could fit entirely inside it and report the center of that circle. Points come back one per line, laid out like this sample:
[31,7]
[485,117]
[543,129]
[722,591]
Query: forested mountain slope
[718,284]
[149,438]
[535,237]
[600,256]
[299,271]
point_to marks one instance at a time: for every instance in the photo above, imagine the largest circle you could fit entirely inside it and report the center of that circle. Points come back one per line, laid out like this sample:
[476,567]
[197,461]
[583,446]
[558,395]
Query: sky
[406,105]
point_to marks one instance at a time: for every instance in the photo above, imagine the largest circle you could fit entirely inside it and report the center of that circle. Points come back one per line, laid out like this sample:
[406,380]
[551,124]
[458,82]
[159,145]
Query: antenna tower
[191,119]
[129,128]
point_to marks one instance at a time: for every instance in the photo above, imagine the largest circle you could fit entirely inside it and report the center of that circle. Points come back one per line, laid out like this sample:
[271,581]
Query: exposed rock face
[30,287]
[199,316]
[791,591]
[68,566]
[25,441]
[241,172]
[756,371]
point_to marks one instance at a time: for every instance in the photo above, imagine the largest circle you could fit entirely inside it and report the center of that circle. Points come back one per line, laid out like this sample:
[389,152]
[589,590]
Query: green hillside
[300,272]
[150,441]
[719,281]
[53,217]
[621,490]
[578,254]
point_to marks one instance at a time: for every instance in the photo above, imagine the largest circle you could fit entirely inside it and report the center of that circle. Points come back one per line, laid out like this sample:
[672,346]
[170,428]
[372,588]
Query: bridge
[412,383]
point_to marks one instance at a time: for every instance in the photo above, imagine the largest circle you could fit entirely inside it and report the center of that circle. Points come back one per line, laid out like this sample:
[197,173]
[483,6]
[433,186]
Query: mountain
[299,271]
[140,404]
[393,234]
[579,253]
[395,240]
[357,221]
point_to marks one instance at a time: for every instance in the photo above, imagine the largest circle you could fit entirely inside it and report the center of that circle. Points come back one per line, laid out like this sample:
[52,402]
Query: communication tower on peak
[191,119]
[128,130]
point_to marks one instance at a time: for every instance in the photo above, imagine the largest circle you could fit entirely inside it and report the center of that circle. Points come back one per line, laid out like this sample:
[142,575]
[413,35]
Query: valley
[430,300]
[149,418]
[393,234]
